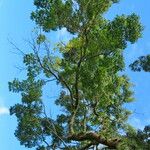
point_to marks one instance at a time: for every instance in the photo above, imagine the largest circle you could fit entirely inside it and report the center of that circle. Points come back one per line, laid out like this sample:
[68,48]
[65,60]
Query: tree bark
[94,137]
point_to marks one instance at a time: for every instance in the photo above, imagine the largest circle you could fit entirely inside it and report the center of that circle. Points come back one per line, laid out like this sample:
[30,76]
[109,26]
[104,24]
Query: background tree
[88,68]
[142,63]
[139,139]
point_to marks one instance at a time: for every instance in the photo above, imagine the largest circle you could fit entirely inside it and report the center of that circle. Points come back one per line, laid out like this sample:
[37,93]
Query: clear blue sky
[15,24]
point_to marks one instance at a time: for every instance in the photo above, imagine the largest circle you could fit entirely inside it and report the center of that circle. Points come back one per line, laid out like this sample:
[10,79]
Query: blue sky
[15,25]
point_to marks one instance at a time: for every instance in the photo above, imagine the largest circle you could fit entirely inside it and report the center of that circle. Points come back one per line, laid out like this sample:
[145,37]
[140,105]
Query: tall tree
[88,68]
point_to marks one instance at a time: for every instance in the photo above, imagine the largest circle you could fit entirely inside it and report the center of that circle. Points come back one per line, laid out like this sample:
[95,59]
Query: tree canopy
[89,69]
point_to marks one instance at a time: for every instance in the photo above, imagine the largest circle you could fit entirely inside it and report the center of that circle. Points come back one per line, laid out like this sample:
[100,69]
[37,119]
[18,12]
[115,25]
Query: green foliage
[88,69]
[40,39]
[137,140]
[143,63]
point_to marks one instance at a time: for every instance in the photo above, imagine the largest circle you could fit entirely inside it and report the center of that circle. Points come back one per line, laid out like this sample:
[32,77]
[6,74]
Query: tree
[88,68]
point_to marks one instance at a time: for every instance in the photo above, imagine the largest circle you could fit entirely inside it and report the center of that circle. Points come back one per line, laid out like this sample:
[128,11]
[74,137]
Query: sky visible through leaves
[16,27]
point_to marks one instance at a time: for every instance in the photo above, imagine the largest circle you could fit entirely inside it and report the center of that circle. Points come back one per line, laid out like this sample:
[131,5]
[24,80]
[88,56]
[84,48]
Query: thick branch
[77,75]
[94,137]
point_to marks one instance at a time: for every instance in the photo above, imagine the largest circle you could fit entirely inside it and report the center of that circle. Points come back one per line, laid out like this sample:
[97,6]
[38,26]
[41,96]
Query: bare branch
[16,47]
[54,131]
